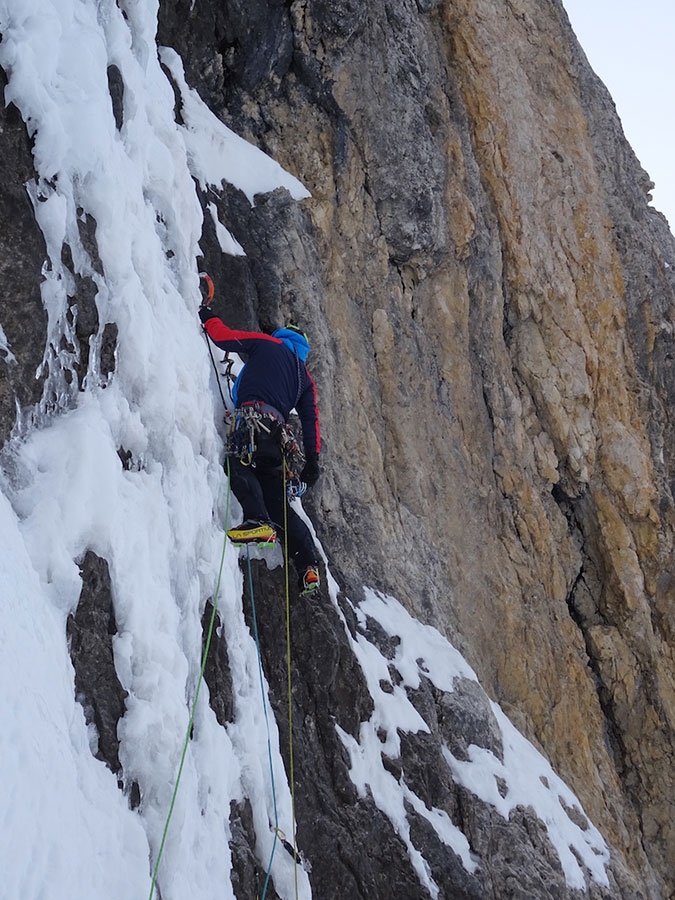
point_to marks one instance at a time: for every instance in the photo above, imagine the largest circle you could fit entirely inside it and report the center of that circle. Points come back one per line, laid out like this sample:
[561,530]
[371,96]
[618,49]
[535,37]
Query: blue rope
[267,724]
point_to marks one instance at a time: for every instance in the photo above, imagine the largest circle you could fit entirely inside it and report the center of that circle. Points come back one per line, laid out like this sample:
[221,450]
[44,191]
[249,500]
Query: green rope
[186,743]
[289,687]
[267,723]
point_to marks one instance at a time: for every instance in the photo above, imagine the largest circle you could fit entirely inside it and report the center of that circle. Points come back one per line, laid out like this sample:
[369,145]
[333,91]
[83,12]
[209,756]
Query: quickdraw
[293,455]
[245,425]
[227,374]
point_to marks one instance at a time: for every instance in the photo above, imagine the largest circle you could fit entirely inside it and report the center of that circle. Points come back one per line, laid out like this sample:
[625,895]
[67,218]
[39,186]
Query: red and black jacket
[273,374]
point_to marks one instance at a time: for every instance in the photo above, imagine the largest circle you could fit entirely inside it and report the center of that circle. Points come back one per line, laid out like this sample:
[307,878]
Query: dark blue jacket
[274,374]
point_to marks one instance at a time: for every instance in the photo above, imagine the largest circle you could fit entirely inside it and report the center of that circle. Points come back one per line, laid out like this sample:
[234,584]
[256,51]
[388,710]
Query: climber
[273,382]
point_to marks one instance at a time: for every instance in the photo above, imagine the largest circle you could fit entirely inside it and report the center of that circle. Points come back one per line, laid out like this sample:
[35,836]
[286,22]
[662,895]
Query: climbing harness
[248,427]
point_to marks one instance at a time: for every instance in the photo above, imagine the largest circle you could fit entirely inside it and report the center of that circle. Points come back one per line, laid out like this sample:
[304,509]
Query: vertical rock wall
[490,297]
[22,252]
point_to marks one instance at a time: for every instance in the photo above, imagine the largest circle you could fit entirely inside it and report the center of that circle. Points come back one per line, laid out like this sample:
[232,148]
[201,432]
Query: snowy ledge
[521,778]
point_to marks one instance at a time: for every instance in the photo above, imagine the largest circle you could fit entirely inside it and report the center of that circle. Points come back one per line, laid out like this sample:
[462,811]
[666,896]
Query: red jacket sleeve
[230,338]
[308,411]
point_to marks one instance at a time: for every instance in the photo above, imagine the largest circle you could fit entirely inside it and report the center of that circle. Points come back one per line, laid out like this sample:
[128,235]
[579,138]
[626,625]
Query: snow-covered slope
[67,826]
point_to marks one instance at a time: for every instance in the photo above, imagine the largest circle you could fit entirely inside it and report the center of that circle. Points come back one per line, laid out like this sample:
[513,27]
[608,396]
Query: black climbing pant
[259,488]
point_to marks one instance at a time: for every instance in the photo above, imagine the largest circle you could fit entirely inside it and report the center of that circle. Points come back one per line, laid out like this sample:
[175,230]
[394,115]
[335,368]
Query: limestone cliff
[482,271]
[491,302]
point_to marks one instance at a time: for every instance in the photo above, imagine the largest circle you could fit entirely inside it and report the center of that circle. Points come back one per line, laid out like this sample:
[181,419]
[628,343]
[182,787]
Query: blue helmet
[295,340]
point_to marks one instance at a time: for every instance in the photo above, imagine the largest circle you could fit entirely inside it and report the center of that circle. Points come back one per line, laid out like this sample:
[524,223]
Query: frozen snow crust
[67,829]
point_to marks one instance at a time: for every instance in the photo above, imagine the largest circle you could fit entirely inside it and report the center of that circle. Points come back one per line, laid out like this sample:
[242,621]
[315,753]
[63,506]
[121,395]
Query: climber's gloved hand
[311,471]
[205,313]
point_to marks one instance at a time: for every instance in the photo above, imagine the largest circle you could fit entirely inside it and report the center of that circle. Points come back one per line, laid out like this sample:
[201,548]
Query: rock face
[480,266]
[90,631]
[491,303]
[349,842]
[22,253]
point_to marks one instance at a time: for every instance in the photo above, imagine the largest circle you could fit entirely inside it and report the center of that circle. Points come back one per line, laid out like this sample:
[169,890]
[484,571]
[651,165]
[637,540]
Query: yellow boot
[252,532]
